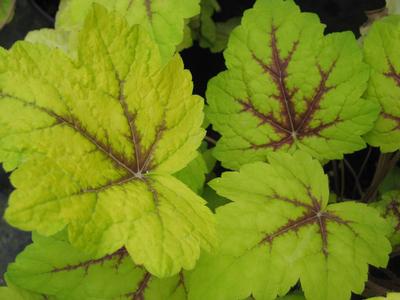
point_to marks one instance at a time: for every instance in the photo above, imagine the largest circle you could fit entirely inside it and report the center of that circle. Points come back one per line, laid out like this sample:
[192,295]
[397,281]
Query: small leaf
[164,20]
[381,47]
[389,207]
[95,142]
[389,296]
[288,87]
[51,266]
[391,181]
[7,8]
[280,228]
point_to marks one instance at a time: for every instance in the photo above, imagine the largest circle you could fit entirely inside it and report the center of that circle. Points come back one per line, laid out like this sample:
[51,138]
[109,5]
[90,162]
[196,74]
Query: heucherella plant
[93,148]
[103,138]
[289,87]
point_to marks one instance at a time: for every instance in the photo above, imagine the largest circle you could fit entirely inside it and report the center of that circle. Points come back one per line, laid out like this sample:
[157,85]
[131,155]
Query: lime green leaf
[389,296]
[288,87]
[163,20]
[51,266]
[194,174]
[280,229]
[95,144]
[7,8]
[13,293]
[213,199]
[381,52]
[389,207]
[52,38]
[224,30]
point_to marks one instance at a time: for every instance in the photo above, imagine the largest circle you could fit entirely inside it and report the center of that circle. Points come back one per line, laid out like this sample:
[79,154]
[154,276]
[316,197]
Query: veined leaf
[389,296]
[164,20]
[94,142]
[51,266]
[288,87]
[381,52]
[7,8]
[280,229]
[11,292]
[389,207]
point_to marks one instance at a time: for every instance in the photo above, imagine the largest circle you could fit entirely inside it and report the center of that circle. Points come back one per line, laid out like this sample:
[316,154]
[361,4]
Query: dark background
[338,15]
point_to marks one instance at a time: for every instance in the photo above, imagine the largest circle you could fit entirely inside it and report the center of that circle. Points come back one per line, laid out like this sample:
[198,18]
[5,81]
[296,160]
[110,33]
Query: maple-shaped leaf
[289,87]
[389,296]
[51,266]
[279,229]
[381,47]
[389,207]
[94,142]
[164,20]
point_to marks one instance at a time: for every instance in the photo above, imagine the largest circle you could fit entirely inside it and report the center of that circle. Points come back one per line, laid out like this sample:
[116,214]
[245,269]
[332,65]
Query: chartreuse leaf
[389,207]
[389,296]
[12,292]
[51,266]
[93,142]
[279,229]
[164,20]
[288,87]
[7,8]
[381,52]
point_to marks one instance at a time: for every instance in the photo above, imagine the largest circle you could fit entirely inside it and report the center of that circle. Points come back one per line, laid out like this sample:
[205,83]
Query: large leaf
[93,142]
[381,47]
[51,266]
[389,207]
[164,20]
[280,229]
[287,87]
[7,8]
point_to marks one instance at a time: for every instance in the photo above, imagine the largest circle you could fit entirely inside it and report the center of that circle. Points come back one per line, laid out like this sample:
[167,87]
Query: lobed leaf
[381,52]
[163,20]
[389,208]
[93,143]
[288,87]
[51,266]
[279,229]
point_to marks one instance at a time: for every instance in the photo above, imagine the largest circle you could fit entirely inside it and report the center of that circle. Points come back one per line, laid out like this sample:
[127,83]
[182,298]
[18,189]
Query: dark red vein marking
[294,125]
[313,215]
[143,284]
[149,12]
[392,73]
[394,207]
[118,255]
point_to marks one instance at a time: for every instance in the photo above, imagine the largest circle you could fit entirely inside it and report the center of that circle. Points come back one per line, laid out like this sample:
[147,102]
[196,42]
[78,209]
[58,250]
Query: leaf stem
[210,140]
[353,173]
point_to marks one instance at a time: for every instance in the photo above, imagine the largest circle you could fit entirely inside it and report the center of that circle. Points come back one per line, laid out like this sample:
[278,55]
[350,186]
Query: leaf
[288,87]
[389,296]
[94,145]
[164,20]
[389,208]
[213,199]
[280,228]
[381,53]
[13,293]
[391,181]
[53,267]
[7,8]
[194,174]
[51,38]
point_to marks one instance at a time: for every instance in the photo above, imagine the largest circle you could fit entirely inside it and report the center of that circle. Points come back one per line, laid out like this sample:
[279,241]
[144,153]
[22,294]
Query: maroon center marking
[313,215]
[118,256]
[294,125]
[138,294]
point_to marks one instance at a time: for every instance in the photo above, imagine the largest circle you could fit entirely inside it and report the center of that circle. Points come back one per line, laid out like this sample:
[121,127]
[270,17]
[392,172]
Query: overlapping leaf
[93,142]
[51,266]
[288,87]
[163,20]
[7,8]
[280,229]
[381,47]
[389,296]
[389,207]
